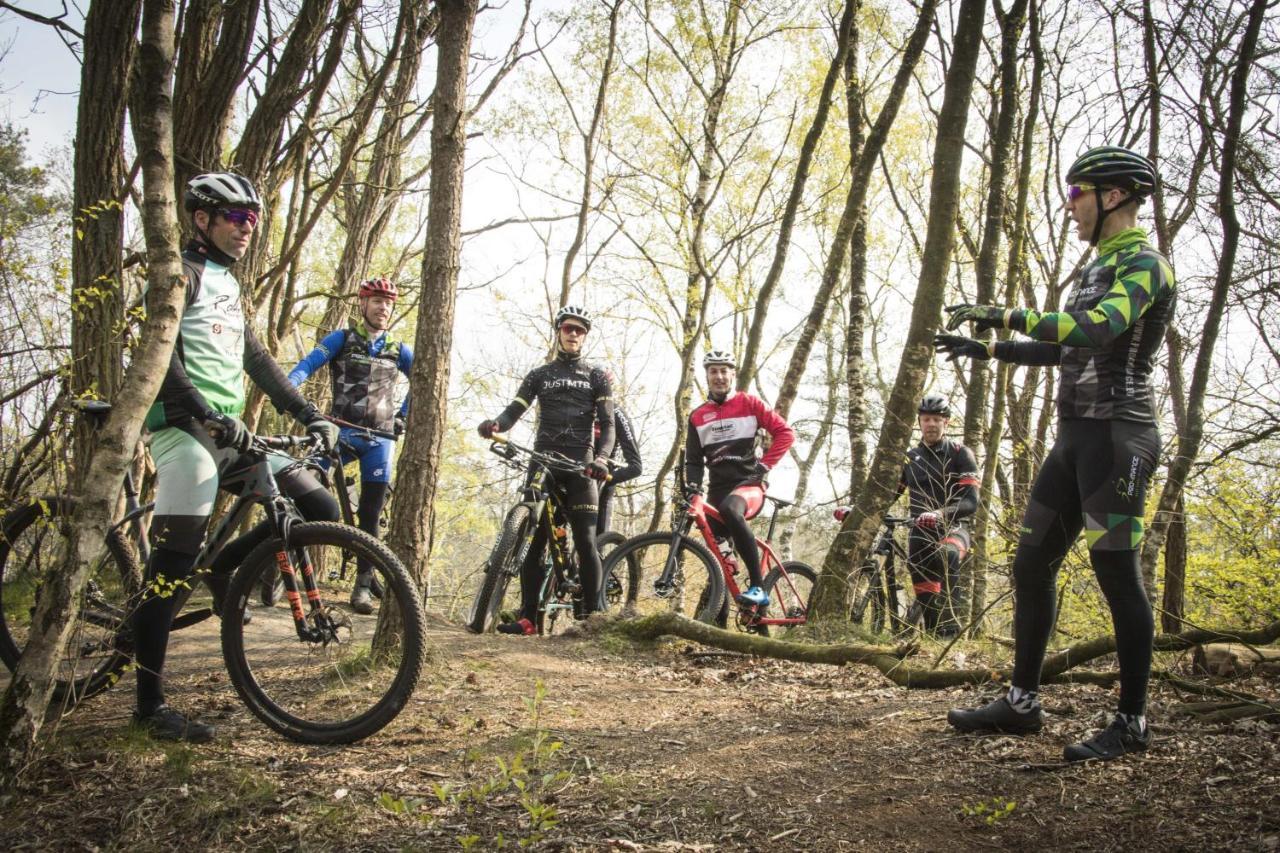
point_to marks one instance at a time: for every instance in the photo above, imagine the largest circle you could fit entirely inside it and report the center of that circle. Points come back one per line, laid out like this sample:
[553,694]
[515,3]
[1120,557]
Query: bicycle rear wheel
[352,674]
[503,565]
[697,584]
[33,543]
[617,581]
[789,593]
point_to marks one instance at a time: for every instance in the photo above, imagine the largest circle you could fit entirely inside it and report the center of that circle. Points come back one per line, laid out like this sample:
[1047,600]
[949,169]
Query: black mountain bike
[314,671]
[334,477]
[878,596]
[560,598]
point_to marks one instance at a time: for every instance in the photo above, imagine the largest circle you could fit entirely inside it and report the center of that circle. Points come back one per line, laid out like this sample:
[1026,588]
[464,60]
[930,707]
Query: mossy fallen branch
[890,660]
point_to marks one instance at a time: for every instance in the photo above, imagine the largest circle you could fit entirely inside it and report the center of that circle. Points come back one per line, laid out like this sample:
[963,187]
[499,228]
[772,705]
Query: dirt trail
[666,748]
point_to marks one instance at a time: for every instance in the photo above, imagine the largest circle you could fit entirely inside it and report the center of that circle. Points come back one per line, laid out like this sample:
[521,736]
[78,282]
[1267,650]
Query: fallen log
[1233,660]
[890,660]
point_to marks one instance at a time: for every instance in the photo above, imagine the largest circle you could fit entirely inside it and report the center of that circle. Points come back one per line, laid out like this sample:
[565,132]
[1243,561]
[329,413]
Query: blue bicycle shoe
[753,596]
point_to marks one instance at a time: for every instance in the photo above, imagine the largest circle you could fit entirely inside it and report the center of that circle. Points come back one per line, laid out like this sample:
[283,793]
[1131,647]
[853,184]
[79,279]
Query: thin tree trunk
[23,707]
[844,36]
[1192,433]
[854,203]
[589,155]
[418,474]
[859,527]
[97,314]
[855,365]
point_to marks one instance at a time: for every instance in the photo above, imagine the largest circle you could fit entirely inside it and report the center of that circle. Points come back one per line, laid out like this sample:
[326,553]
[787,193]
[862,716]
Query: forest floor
[660,747]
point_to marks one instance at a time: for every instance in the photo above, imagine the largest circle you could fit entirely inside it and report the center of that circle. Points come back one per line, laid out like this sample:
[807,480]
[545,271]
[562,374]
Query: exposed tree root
[890,661]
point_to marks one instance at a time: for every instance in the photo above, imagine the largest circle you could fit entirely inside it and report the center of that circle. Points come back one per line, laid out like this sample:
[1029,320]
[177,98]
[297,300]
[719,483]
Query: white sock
[1023,701]
[1136,722]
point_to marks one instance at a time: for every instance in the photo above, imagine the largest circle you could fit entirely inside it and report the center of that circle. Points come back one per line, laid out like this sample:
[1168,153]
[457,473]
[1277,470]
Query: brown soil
[664,748]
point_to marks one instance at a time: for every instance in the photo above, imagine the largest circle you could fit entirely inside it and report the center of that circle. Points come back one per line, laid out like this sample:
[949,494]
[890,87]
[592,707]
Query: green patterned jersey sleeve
[1139,279]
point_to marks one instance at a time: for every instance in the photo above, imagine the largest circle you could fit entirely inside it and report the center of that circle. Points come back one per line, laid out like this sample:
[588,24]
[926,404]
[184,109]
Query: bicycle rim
[33,543]
[697,585]
[356,672]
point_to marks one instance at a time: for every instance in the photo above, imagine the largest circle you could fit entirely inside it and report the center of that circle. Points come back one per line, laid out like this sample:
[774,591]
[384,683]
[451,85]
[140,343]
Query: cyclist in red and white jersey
[722,439]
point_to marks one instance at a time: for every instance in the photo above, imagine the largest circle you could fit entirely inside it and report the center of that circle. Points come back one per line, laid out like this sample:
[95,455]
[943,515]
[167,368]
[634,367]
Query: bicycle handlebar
[563,464]
[376,433]
[282,442]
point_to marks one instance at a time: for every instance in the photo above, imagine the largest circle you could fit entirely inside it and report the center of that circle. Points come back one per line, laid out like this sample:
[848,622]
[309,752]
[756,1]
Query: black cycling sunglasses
[239,216]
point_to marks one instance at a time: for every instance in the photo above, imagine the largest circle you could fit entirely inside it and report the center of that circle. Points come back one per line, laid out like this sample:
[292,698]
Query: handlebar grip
[284,442]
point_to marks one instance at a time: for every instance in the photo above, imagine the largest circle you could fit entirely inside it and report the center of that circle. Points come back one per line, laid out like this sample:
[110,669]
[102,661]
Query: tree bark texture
[97,312]
[855,333]
[853,542]
[418,472]
[23,707]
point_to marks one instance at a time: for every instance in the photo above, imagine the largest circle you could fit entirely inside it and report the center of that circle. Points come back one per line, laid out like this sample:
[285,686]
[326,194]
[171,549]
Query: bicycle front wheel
[667,573]
[503,565]
[33,544]
[342,676]
[868,597]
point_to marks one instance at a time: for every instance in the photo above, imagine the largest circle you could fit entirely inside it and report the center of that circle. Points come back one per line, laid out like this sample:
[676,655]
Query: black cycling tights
[580,499]
[1094,479]
[369,516]
[733,515]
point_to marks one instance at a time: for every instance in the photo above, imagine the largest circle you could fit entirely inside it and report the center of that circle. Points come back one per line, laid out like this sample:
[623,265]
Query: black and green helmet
[1113,166]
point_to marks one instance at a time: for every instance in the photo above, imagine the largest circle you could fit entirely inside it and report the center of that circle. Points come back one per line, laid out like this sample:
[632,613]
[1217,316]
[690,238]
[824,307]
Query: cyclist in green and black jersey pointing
[1095,478]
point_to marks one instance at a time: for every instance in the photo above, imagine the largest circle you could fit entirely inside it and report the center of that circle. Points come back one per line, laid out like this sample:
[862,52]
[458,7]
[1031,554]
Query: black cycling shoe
[997,716]
[1114,741]
[165,723]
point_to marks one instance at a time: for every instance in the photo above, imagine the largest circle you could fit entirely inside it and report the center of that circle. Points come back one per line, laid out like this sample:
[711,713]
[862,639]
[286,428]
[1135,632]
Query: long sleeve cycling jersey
[1106,338]
[941,478]
[722,436]
[575,413]
[362,371]
[215,348]
[626,444]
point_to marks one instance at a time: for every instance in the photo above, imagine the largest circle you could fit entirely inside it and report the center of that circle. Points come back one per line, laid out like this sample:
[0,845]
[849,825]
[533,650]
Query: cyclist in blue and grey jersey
[198,437]
[364,363]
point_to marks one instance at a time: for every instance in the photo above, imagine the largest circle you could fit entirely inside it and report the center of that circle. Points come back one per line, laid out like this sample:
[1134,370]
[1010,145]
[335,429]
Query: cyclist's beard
[370,324]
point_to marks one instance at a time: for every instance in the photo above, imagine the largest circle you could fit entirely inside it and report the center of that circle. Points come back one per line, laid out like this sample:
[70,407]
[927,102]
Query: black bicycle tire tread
[397,696]
[508,543]
[644,540]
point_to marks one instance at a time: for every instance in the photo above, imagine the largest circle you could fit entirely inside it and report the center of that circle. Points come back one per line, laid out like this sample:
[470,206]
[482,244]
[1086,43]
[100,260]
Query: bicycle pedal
[663,590]
[571,588]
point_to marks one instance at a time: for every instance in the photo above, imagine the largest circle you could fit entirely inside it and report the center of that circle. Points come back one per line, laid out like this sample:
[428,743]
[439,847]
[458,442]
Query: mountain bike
[877,595]
[322,675]
[559,600]
[333,476]
[672,570]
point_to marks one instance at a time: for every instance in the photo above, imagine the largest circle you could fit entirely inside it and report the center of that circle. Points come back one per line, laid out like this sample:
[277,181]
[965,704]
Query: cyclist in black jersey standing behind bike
[1095,477]
[576,419]
[631,468]
[941,481]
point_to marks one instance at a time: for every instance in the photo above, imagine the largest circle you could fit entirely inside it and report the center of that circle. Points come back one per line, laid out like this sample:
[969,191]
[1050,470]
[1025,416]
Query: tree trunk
[1173,605]
[854,203]
[418,473]
[1192,433]
[855,367]
[699,279]
[859,528]
[97,313]
[23,707]
[846,34]
[589,155]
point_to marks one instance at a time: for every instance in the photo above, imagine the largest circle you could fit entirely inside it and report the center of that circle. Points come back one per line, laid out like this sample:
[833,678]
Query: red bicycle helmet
[379,287]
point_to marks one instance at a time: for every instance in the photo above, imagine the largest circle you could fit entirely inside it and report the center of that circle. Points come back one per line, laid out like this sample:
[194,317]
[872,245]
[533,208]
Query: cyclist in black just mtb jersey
[575,418]
[941,480]
[630,469]
[1095,477]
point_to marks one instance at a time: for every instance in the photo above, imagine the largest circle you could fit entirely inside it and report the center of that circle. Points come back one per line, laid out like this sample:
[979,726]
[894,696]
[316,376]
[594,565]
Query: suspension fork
[673,552]
[293,562]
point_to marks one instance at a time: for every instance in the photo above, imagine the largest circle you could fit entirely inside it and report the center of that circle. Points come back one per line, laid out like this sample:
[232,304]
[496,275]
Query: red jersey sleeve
[783,435]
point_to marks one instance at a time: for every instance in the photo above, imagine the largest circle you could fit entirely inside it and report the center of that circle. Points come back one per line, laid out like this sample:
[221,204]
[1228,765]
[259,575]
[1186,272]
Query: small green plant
[527,777]
[991,812]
